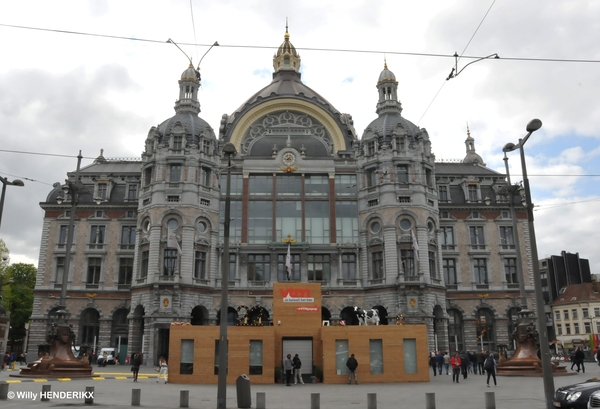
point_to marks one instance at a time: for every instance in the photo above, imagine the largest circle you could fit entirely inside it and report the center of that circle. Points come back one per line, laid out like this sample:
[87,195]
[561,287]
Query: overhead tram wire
[456,63]
[343,50]
[45,154]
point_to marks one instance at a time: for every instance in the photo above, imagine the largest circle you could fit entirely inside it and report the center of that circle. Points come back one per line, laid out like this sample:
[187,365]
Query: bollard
[136,395]
[45,390]
[184,399]
[490,400]
[430,400]
[315,401]
[261,401]
[3,391]
[89,395]
[371,401]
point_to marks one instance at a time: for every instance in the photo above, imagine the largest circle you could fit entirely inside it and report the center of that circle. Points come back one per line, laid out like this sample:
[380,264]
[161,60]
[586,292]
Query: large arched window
[89,327]
[455,331]
[485,330]
[199,315]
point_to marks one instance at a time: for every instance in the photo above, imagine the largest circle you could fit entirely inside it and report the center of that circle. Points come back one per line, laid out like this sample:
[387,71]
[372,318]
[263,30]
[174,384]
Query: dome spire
[388,91]
[286,58]
[472,156]
[188,91]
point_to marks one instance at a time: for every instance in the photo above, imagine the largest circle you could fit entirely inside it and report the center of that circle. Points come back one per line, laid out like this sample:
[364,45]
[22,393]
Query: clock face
[288,158]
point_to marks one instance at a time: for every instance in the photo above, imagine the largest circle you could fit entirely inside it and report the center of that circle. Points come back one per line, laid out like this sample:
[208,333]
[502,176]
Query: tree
[18,299]
[4,260]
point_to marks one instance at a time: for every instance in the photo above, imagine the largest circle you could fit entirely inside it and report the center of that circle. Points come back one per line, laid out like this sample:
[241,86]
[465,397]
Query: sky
[107,85]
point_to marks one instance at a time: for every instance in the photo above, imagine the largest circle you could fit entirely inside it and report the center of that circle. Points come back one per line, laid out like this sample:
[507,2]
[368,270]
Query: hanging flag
[172,242]
[288,262]
[415,245]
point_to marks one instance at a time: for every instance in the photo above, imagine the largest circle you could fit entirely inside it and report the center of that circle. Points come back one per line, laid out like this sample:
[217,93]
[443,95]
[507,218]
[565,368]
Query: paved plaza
[113,389]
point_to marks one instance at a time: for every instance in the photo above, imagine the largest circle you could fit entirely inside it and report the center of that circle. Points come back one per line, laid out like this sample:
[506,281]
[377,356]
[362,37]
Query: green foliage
[18,296]
[277,374]
[318,372]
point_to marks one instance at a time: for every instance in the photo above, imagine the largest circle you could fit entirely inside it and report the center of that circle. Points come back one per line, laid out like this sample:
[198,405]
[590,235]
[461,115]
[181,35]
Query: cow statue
[366,317]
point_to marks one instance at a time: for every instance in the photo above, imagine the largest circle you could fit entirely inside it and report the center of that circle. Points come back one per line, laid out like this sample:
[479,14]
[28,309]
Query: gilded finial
[287,35]
[468,130]
[385,63]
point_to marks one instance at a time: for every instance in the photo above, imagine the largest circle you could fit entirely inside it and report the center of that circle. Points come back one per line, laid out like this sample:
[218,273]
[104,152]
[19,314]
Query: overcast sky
[63,92]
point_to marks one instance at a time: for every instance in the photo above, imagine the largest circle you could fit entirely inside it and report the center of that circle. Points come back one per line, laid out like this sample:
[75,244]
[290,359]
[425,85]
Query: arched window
[455,331]
[485,330]
[199,315]
[89,327]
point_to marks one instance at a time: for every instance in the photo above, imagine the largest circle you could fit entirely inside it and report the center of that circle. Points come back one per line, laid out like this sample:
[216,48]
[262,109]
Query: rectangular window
[559,327]
[132,193]
[410,355]
[169,262]
[566,314]
[235,222]
[477,238]
[282,274]
[260,185]
[144,264]
[147,176]
[316,185]
[186,365]
[377,272]
[510,270]
[259,267]
[319,267]
[472,193]
[341,357]
[289,219]
[60,269]
[432,266]
[557,315]
[349,267]
[232,258]
[177,143]
[588,327]
[102,190]
[480,270]
[200,265]
[237,184]
[597,327]
[64,232]
[597,312]
[376,356]
[442,193]
[447,237]
[125,270]
[574,312]
[97,235]
[175,173]
[346,214]
[402,173]
[407,257]
[317,222]
[370,148]
[506,237]
[585,313]
[94,269]
[576,328]
[128,237]
[256,357]
[429,177]
[371,175]
[206,145]
[449,267]
[260,222]
[345,185]
[206,176]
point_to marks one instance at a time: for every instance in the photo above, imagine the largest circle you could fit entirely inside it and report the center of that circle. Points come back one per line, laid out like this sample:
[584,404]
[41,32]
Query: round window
[405,224]
[146,226]
[430,226]
[173,224]
[202,227]
[375,227]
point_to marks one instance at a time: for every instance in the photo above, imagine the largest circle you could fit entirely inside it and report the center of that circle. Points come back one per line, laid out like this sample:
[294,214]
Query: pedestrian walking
[136,361]
[579,358]
[456,363]
[433,363]
[164,368]
[490,367]
[447,362]
[352,364]
[288,367]
[297,363]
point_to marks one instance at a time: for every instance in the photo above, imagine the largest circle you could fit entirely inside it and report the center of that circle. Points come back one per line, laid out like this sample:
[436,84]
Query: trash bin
[243,391]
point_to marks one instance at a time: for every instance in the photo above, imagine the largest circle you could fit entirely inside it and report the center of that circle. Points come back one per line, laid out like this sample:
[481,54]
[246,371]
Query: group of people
[577,358]
[293,366]
[9,360]
[138,358]
[464,363]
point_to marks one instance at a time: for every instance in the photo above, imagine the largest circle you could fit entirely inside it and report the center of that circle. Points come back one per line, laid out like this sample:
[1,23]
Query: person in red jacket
[455,362]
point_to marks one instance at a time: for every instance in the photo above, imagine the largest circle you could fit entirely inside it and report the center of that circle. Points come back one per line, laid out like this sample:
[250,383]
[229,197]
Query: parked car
[575,396]
[594,402]
[110,357]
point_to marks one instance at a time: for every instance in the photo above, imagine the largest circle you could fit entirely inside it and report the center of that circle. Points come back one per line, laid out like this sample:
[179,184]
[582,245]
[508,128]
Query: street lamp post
[6,182]
[229,151]
[533,126]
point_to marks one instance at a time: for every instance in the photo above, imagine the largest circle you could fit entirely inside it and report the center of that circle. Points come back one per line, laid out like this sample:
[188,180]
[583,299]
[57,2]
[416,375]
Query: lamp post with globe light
[533,126]
[6,182]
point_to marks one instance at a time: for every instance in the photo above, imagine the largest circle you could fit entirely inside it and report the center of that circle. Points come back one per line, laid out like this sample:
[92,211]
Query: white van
[110,356]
